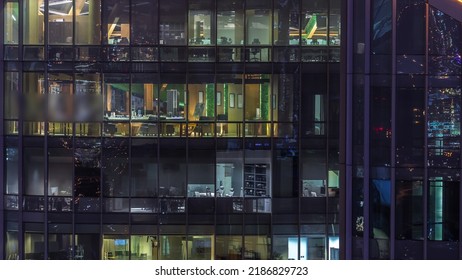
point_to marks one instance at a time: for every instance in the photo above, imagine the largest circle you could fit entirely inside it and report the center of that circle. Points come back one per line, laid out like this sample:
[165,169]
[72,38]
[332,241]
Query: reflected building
[401,155]
[174,129]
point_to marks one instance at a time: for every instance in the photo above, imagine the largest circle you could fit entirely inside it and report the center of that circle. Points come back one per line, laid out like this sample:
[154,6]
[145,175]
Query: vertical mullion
[367,77]
[393,135]
[2,138]
[425,182]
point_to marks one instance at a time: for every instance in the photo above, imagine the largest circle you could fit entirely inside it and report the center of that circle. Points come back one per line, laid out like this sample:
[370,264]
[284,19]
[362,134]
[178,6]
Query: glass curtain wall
[135,141]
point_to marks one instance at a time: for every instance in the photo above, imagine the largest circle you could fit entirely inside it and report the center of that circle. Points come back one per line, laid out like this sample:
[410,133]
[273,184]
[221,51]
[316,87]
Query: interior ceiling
[452,8]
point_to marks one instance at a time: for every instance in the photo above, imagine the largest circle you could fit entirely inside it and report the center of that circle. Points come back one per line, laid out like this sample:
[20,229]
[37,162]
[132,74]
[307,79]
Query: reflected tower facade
[170,129]
[402,101]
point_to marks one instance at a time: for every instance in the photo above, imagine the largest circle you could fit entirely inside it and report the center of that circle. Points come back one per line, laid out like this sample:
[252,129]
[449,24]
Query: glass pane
[443,210]
[335,23]
[11,245]
[60,97]
[33,29]
[257,173]
[228,87]
[257,98]
[34,96]
[11,95]
[87,246]
[172,247]
[201,93]
[258,23]
[314,22]
[286,22]
[230,22]
[173,22]
[115,170]
[87,169]
[172,98]
[88,22]
[201,22]
[228,247]
[116,25]
[115,247]
[229,173]
[409,208]
[34,163]
[172,168]
[87,98]
[11,23]
[59,246]
[257,247]
[285,248]
[144,165]
[201,164]
[34,246]
[60,20]
[144,247]
[60,171]
[144,25]
[200,247]
[11,165]
[380,219]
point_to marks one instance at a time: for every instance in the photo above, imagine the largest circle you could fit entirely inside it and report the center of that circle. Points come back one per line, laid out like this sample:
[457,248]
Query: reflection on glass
[87,22]
[409,207]
[33,91]
[144,247]
[144,165]
[313,248]
[60,97]
[144,26]
[11,95]
[60,172]
[257,247]
[11,165]
[115,171]
[87,98]
[442,210]
[285,248]
[228,247]
[201,22]
[172,247]
[11,23]
[34,246]
[230,22]
[172,22]
[314,22]
[172,99]
[379,218]
[287,20]
[335,23]
[200,247]
[258,99]
[115,247]
[258,23]
[87,246]
[60,20]
[116,23]
[11,245]
[227,86]
[33,26]
[172,169]
[34,172]
[59,246]
[87,169]
[229,174]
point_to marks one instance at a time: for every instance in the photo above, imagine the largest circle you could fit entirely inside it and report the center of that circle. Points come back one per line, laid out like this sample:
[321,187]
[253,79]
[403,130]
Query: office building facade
[401,129]
[170,129]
